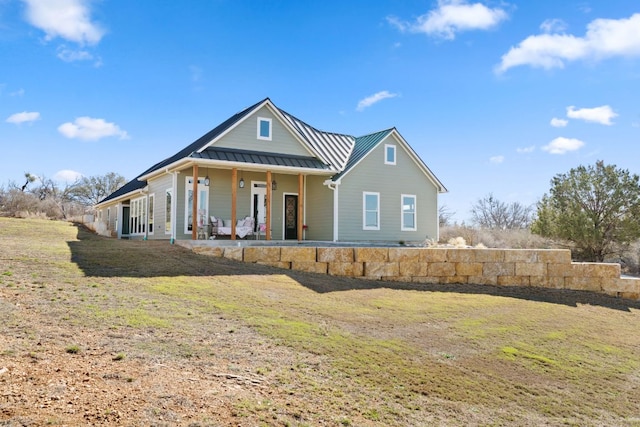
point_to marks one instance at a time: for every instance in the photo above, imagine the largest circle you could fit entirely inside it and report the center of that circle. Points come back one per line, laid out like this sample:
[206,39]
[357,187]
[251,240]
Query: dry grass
[161,336]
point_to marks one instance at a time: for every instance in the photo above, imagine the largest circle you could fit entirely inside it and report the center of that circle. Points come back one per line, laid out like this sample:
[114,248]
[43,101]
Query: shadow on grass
[104,257]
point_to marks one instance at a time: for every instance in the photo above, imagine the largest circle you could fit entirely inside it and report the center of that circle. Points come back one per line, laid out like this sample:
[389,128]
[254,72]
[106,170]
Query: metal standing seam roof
[335,148]
[261,158]
[337,151]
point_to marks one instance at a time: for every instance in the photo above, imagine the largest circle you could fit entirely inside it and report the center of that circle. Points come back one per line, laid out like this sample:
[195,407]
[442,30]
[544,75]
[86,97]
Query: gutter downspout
[333,186]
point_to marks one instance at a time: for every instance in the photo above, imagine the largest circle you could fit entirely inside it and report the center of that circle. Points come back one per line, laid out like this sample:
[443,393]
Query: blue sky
[495,96]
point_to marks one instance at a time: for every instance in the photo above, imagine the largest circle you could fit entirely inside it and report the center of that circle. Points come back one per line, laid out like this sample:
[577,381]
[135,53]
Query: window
[370,211]
[138,216]
[389,154]
[167,215]
[108,218]
[264,128]
[151,200]
[408,212]
[203,204]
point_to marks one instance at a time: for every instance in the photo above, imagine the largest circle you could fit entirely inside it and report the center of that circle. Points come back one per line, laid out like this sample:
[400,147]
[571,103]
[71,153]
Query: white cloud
[496,159]
[90,129]
[18,93]
[563,145]
[72,55]
[23,117]
[375,98]
[67,175]
[529,149]
[602,115]
[559,123]
[604,38]
[451,17]
[67,19]
[553,26]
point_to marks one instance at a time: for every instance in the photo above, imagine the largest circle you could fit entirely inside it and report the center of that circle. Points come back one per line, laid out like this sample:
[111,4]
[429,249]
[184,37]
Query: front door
[259,203]
[290,216]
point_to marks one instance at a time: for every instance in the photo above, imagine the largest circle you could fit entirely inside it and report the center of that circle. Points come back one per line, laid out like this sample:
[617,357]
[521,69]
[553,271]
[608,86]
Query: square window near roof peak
[264,128]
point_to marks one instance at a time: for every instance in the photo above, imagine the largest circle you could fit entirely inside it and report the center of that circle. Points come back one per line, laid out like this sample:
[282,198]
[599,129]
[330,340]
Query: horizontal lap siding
[319,209]
[372,175]
[244,136]
[158,188]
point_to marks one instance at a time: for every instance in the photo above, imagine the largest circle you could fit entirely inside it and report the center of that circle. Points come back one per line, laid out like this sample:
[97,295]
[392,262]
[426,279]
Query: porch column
[234,201]
[300,205]
[268,213]
[194,213]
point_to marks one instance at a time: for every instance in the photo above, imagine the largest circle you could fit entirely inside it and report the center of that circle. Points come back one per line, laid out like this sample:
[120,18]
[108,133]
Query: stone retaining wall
[549,268]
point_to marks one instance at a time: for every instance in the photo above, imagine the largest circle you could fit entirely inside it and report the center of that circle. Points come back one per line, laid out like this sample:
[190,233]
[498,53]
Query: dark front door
[290,216]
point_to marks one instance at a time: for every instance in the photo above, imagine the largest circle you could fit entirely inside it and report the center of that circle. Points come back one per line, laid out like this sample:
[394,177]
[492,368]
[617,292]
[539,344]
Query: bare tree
[445,215]
[90,190]
[490,212]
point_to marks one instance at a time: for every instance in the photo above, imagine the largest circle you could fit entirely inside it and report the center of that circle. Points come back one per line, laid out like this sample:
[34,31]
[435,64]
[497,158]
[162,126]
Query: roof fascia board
[123,197]
[224,164]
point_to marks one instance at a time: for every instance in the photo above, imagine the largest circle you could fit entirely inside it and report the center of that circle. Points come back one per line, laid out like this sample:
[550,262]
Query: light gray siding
[391,181]
[319,209]
[245,136]
[158,188]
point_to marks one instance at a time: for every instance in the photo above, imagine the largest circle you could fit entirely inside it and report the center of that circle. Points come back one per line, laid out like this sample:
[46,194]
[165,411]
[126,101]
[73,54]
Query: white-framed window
[264,128]
[408,206]
[168,201]
[389,154]
[138,216]
[203,204]
[370,211]
[152,199]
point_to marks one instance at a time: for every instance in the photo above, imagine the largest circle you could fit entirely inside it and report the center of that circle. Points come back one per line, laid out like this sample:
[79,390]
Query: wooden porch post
[300,205]
[194,213]
[234,201]
[268,213]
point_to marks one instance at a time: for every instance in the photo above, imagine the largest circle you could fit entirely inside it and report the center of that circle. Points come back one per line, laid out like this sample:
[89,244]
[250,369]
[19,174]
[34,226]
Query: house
[294,180]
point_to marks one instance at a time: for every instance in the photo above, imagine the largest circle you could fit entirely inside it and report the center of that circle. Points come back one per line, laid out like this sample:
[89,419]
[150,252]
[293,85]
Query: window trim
[364,210]
[138,216]
[151,211]
[386,158]
[415,213]
[188,209]
[168,210]
[259,134]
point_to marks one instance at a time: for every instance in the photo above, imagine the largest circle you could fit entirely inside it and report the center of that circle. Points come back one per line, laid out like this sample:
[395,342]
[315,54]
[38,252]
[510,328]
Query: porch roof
[261,158]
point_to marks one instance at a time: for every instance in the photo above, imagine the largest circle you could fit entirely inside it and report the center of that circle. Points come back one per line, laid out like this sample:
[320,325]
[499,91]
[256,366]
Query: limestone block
[351,269]
[233,253]
[483,280]
[621,285]
[297,254]
[554,256]
[433,255]
[365,254]
[531,269]
[409,268]
[469,269]
[551,282]
[513,281]
[335,255]
[450,280]
[277,264]
[593,269]
[214,251]
[461,255]
[630,295]
[442,269]
[498,269]
[404,254]
[490,255]
[262,254]
[381,269]
[310,266]
[426,279]
[559,270]
[593,284]
[520,255]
